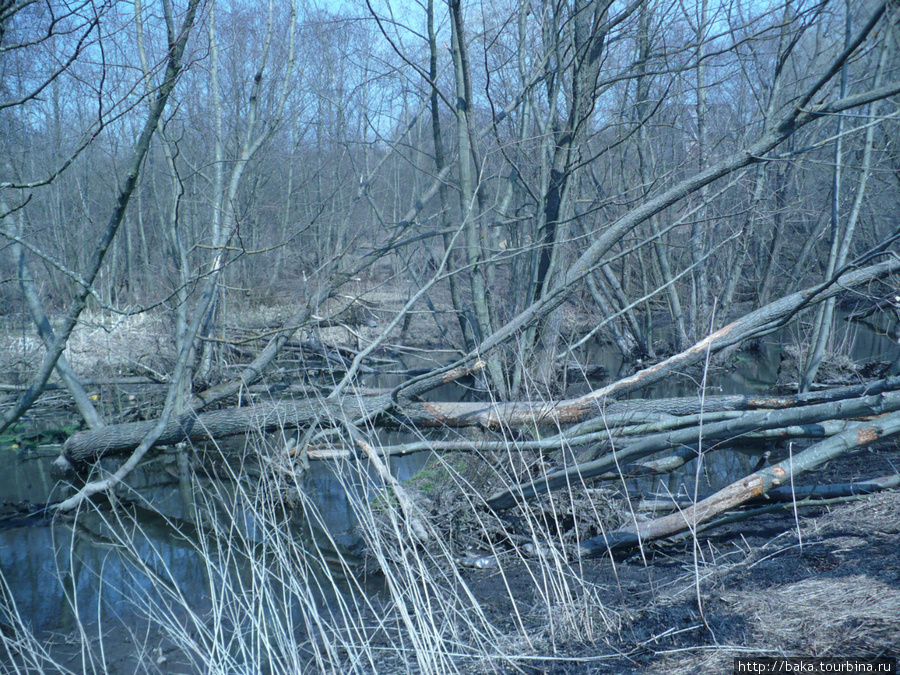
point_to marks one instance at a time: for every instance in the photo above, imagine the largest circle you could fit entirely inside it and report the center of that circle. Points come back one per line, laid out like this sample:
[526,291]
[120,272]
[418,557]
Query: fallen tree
[618,434]
[403,405]
[786,494]
[402,402]
[708,434]
[744,490]
[723,417]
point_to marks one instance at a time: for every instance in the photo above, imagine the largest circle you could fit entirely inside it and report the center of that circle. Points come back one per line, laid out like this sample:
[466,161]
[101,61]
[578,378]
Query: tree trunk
[33,301]
[270,415]
[142,145]
[746,489]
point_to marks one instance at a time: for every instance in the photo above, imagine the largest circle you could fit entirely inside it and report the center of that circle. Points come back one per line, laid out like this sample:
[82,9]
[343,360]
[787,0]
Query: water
[49,565]
[45,560]
[754,372]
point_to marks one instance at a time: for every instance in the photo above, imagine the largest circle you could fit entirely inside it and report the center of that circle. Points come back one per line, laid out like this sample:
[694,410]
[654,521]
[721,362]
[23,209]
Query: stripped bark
[417,525]
[632,417]
[750,487]
[808,494]
[760,322]
[728,429]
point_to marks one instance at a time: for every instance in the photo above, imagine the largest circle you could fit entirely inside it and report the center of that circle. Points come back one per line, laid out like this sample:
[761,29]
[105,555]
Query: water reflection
[118,564]
[79,569]
[67,572]
[715,470]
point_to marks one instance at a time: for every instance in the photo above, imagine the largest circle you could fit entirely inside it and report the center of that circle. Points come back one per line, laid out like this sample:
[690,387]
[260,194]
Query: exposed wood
[752,421]
[739,414]
[786,493]
[742,491]
[417,525]
[762,321]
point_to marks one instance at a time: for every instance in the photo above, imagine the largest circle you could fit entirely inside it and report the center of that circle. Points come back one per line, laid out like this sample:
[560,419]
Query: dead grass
[837,366]
[102,345]
[106,345]
[115,345]
[581,620]
[823,617]
[837,596]
[877,513]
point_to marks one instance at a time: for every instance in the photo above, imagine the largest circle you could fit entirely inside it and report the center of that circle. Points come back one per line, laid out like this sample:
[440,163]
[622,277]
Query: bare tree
[177,42]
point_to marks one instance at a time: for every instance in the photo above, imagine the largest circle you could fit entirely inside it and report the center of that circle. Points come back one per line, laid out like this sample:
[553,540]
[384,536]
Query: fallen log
[783,494]
[611,413]
[299,412]
[266,415]
[742,491]
[749,422]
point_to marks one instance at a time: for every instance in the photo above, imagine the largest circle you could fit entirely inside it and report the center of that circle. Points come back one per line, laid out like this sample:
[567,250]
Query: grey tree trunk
[842,236]
[38,315]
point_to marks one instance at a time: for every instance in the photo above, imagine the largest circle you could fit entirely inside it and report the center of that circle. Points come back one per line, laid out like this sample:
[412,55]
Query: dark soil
[821,582]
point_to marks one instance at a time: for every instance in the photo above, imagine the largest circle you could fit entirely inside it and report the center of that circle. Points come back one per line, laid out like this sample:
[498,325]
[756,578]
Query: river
[100,568]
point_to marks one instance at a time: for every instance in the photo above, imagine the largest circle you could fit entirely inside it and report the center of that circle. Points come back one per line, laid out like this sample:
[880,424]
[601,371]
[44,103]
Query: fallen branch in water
[749,422]
[746,489]
[637,417]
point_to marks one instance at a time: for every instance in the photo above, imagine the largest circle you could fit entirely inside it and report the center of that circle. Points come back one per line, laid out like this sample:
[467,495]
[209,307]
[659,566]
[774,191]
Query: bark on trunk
[749,422]
[785,494]
[269,415]
[742,491]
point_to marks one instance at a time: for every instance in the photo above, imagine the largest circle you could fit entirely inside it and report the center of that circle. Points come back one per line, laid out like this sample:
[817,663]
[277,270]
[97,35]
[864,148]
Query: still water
[61,569]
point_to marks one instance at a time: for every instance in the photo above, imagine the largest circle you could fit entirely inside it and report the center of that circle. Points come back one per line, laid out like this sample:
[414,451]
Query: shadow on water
[57,569]
[169,532]
[48,563]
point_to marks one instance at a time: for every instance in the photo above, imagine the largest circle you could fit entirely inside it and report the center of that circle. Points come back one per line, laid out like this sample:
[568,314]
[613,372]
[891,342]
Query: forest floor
[823,582]
[106,346]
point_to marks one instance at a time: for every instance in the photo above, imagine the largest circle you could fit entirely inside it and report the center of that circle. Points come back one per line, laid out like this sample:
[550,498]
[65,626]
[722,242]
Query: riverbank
[487,593]
[812,583]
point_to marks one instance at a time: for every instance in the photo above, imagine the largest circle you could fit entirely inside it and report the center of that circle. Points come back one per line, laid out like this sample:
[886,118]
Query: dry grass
[112,345]
[823,617]
[102,345]
[430,618]
[844,610]
[837,366]
[877,513]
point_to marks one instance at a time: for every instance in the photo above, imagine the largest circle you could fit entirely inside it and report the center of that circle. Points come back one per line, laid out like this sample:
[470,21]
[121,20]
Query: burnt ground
[822,582]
